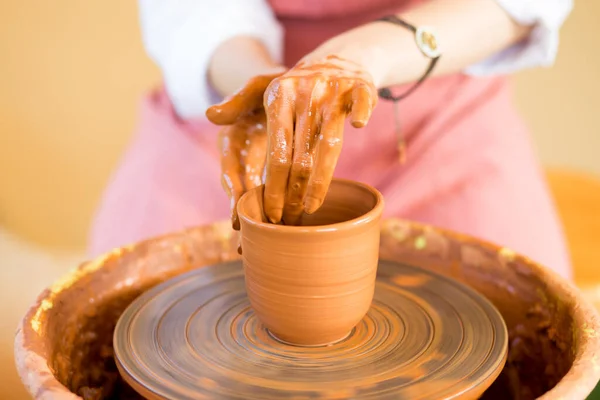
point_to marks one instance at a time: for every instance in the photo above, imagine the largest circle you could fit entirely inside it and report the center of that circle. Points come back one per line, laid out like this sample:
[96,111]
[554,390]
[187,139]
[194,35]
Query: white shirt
[170,31]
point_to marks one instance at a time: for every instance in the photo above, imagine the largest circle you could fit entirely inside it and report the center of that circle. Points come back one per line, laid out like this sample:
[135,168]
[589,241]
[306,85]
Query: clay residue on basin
[544,314]
[66,338]
[83,358]
[553,330]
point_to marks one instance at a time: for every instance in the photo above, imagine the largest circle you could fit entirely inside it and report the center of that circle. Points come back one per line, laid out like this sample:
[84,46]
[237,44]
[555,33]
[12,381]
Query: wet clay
[304,109]
[243,140]
[543,337]
[553,330]
[311,284]
[425,337]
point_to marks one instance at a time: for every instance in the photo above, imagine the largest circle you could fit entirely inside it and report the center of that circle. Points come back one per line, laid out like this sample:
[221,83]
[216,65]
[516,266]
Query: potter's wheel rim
[136,376]
[36,345]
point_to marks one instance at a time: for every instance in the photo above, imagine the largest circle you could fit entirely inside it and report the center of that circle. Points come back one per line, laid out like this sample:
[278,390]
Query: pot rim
[369,216]
[30,351]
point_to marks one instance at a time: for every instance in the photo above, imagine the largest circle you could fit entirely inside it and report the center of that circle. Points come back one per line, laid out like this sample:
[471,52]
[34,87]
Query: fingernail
[311,205]
[358,123]
[211,113]
[274,215]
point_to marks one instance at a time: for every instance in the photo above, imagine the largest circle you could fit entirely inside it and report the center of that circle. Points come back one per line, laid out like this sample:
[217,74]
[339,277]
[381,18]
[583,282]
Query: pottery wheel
[425,337]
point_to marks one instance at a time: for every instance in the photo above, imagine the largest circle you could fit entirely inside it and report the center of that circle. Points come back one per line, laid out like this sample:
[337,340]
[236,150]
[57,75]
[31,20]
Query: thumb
[246,100]
[228,111]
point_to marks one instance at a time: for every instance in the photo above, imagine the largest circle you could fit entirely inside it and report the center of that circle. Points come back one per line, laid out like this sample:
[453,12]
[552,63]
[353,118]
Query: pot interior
[345,201]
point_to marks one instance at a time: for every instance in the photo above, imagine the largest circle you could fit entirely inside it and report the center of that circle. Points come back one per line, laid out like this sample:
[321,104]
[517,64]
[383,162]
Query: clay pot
[63,347]
[311,284]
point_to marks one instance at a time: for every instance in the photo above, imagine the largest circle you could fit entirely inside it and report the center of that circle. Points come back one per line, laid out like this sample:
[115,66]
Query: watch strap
[386,93]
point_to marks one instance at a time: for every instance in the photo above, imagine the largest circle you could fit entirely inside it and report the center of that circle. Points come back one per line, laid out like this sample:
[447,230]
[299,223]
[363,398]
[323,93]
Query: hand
[243,140]
[306,108]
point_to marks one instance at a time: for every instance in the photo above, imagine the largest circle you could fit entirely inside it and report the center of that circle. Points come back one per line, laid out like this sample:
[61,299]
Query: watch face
[427,42]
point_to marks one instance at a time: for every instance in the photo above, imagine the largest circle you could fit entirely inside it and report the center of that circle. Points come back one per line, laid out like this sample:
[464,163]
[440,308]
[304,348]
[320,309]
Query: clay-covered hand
[243,140]
[306,109]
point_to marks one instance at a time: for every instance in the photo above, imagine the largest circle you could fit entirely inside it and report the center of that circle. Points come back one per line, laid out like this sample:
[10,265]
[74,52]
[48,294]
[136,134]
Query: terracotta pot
[311,284]
[63,346]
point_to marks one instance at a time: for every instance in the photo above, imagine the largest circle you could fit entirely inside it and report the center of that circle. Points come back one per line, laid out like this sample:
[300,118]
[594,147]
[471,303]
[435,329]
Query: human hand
[306,108]
[243,140]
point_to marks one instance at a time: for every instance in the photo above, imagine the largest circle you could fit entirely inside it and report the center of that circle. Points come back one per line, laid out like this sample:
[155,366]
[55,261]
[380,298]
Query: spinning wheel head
[424,337]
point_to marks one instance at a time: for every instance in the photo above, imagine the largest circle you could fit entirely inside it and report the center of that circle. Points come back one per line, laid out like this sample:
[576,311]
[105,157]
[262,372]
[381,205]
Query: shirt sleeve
[181,36]
[539,48]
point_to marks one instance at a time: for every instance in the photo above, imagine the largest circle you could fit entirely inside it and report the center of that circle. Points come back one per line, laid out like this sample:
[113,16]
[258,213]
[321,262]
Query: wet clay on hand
[306,109]
[243,140]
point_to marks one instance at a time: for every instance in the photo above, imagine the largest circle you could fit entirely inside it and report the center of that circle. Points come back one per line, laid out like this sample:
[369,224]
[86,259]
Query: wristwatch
[427,43]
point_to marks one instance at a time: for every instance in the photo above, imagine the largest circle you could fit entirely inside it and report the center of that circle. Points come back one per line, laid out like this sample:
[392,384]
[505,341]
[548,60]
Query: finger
[279,103]
[328,149]
[362,105]
[241,103]
[256,149]
[302,166]
[231,170]
[233,200]
[246,100]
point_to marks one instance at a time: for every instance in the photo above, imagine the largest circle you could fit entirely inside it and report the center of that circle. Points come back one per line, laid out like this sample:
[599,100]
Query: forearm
[468,31]
[238,60]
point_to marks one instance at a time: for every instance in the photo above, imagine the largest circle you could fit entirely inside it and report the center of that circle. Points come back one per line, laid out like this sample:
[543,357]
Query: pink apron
[470,165]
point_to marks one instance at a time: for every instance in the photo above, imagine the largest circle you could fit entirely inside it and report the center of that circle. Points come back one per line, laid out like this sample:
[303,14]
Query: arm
[301,103]
[304,107]
[469,31]
[238,60]
[206,50]
[182,36]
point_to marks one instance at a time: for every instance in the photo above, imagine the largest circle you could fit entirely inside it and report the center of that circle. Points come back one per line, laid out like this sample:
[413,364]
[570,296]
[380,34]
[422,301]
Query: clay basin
[63,347]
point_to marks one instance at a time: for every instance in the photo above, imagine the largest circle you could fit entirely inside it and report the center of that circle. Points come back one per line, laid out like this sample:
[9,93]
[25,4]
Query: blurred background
[72,72]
